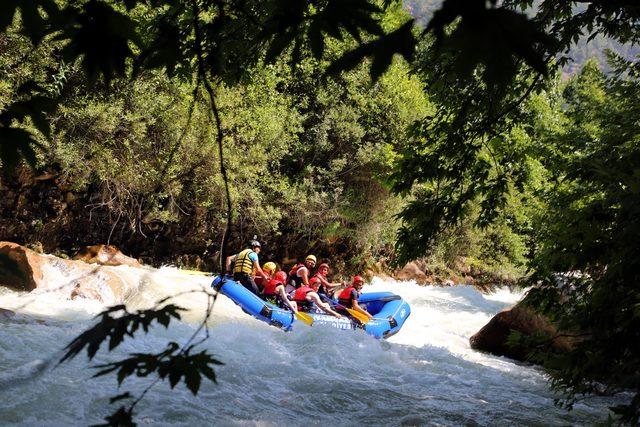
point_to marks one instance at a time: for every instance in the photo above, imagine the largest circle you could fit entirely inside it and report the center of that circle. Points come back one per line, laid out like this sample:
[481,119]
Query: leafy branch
[175,363]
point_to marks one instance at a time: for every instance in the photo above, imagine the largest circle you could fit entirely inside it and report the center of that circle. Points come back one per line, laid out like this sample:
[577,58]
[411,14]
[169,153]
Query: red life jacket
[300,297]
[301,293]
[258,280]
[345,297]
[270,287]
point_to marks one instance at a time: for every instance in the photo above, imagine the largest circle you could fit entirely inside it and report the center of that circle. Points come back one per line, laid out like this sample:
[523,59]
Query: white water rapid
[425,375]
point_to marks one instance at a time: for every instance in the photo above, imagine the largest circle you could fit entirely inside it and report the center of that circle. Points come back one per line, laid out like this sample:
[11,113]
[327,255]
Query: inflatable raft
[389,310]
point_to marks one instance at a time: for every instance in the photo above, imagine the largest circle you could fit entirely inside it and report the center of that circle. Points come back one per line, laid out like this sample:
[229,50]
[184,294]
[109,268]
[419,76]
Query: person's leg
[249,283]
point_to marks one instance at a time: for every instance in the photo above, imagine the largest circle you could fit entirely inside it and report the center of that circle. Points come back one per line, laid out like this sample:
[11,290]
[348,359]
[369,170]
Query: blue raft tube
[389,310]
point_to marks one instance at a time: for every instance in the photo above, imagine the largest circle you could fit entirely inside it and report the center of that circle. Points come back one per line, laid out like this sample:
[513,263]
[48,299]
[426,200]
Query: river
[425,375]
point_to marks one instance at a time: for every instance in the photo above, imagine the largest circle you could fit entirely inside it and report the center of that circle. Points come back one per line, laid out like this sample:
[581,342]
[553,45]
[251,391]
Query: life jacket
[260,280]
[270,287]
[293,275]
[345,297]
[300,297]
[243,264]
[270,295]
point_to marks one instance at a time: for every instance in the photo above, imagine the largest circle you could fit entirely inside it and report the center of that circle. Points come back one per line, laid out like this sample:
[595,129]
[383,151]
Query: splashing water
[424,375]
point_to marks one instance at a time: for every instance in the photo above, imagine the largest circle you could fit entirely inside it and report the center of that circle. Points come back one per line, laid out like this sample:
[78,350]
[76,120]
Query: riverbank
[31,261]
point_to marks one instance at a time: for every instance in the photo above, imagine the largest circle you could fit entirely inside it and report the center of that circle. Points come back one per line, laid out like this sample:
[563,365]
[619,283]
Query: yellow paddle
[304,318]
[356,314]
[361,317]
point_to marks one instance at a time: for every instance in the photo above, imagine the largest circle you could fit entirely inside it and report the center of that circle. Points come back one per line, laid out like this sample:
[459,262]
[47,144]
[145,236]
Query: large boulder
[492,338]
[20,268]
[413,271]
[105,255]
[25,270]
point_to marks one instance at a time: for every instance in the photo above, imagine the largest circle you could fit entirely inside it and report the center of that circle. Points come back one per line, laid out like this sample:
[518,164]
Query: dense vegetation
[136,164]
[466,145]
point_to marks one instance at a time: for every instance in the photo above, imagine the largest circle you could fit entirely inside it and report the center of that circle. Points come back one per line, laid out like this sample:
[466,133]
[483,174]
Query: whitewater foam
[426,374]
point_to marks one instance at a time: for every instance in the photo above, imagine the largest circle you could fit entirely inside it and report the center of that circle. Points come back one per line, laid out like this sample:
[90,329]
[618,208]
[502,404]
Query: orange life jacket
[345,297]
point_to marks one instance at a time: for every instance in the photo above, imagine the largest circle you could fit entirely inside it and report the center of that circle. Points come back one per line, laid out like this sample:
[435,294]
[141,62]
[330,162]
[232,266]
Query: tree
[586,268]
[468,153]
[463,153]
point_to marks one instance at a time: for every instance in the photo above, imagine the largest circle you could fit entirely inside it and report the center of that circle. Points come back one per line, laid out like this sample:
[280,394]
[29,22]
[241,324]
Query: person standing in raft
[274,293]
[305,296]
[300,273]
[245,263]
[326,288]
[349,297]
[269,268]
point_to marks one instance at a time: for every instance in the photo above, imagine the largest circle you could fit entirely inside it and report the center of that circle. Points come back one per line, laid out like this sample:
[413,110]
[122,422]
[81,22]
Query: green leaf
[101,37]
[17,143]
[192,380]
[400,41]
[7,12]
[123,417]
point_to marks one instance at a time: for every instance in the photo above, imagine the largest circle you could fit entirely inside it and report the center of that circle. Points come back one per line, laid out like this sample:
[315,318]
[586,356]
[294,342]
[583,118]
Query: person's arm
[230,259]
[258,271]
[334,285]
[339,286]
[256,266]
[323,280]
[304,275]
[315,298]
[283,296]
[359,309]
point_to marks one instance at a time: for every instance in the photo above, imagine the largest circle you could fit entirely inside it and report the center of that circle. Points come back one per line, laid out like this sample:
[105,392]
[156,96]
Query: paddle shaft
[356,314]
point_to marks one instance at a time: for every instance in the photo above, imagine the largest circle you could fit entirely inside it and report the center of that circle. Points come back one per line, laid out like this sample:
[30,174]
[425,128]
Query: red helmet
[357,279]
[323,265]
[281,277]
[313,281]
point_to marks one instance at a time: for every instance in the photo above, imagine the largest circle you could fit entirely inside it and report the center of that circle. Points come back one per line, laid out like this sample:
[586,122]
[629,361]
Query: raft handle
[266,312]
[392,322]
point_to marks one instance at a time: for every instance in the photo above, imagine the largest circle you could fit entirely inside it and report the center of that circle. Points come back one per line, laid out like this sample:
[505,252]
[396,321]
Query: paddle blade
[304,318]
[361,317]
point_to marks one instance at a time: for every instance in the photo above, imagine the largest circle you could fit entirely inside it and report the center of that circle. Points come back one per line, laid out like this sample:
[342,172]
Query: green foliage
[466,152]
[586,267]
[172,363]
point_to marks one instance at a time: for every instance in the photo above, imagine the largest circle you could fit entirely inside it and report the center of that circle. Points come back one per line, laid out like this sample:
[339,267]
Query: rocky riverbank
[93,275]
